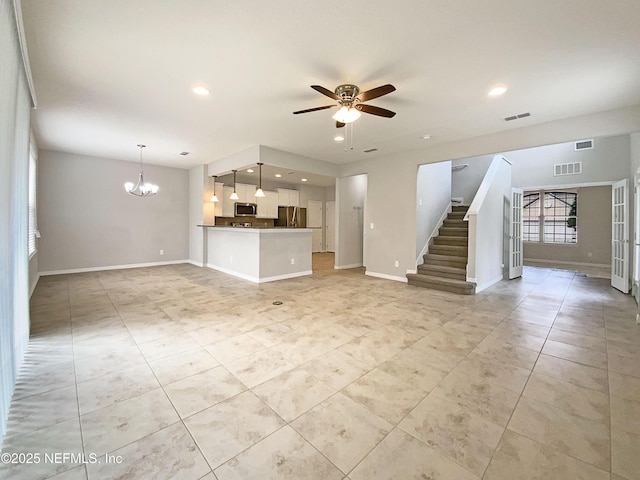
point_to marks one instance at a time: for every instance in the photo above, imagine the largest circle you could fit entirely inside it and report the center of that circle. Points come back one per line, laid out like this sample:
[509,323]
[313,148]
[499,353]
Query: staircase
[445,266]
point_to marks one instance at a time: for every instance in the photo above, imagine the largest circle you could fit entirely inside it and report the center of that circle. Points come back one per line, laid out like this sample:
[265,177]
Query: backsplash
[255,222]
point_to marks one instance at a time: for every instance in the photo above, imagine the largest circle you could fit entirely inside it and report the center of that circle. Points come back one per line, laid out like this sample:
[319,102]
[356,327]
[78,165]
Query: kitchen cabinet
[267,205]
[288,198]
[227,204]
[246,193]
[217,208]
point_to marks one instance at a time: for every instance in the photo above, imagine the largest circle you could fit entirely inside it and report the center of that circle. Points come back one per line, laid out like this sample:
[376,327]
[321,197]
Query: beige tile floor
[183,372]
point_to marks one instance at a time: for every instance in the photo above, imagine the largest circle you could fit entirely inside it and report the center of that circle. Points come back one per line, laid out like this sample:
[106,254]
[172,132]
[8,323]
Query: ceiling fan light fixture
[347,115]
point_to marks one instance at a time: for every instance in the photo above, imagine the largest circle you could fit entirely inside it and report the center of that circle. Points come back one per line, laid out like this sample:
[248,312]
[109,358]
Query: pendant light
[259,192]
[141,189]
[214,198]
[234,195]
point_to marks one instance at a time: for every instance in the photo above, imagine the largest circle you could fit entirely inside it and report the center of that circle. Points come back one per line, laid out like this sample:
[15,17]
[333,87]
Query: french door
[620,236]
[515,234]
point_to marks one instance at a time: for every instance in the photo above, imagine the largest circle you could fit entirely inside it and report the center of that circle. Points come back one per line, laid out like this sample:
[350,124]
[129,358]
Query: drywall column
[197,204]
[486,218]
[433,202]
[351,193]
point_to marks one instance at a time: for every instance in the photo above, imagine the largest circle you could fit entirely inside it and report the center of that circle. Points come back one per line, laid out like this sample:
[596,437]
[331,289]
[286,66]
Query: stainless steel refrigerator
[292,217]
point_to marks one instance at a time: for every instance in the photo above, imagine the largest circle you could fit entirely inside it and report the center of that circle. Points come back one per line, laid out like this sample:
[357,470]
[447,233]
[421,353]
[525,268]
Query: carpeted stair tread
[443,284]
[451,240]
[452,250]
[453,232]
[447,260]
[457,273]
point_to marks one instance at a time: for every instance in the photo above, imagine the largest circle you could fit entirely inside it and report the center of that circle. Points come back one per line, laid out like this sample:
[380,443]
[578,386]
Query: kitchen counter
[258,254]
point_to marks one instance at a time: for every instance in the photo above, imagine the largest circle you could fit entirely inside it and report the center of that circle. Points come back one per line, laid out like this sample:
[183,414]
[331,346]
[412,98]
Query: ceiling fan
[349,100]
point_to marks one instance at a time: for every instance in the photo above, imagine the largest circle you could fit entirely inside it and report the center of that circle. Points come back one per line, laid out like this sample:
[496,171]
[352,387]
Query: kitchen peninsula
[258,254]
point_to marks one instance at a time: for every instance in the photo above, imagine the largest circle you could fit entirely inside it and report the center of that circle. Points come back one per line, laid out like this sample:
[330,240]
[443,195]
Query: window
[531,217]
[33,224]
[556,211]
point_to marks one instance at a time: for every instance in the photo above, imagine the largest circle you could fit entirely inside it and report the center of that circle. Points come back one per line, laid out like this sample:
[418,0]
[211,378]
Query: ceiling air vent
[369,150]
[516,117]
[560,169]
[583,145]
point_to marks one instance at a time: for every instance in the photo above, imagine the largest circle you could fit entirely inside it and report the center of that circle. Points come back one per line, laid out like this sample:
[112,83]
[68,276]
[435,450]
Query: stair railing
[486,217]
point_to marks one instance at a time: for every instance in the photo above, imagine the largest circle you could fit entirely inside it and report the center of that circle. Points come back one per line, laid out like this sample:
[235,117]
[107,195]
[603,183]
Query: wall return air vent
[583,145]
[560,169]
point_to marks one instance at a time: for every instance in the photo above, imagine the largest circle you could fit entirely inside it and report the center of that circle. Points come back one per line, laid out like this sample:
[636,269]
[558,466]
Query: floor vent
[516,117]
[583,145]
[560,169]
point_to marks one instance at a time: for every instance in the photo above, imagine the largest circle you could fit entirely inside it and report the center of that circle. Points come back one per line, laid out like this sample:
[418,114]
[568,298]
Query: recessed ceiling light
[250,170]
[278,175]
[497,90]
[426,137]
[338,138]
[200,90]
[304,179]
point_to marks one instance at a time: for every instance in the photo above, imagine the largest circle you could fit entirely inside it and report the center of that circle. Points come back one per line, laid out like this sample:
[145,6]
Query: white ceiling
[110,74]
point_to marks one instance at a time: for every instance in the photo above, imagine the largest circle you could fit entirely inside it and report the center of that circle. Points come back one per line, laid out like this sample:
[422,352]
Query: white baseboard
[386,277]
[111,267]
[256,279]
[414,271]
[561,262]
[345,267]
[493,281]
[197,264]
[32,288]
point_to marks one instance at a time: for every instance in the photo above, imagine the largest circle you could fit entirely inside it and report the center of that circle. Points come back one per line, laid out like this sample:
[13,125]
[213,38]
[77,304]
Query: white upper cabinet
[246,193]
[288,198]
[228,205]
[267,205]
[217,209]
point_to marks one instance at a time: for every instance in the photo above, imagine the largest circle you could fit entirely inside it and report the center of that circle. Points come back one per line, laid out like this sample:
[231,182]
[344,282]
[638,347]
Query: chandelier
[141,189]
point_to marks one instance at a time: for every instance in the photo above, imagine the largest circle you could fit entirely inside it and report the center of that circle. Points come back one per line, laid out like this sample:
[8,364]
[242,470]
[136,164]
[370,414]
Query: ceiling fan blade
[381,112]
[314,109]
[340,124]
[325,91]
[376,92]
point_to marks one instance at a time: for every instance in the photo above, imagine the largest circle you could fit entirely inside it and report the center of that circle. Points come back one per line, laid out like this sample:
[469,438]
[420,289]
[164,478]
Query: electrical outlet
[293,261]
[397,263]
[161,252]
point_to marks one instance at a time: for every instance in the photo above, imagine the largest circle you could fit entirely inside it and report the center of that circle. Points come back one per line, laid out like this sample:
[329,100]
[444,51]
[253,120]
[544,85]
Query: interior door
[620,236]
[515,234]
[314,221]
[331,226]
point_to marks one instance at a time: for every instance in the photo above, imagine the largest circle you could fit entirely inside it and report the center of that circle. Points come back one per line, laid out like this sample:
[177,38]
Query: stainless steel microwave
[245,209]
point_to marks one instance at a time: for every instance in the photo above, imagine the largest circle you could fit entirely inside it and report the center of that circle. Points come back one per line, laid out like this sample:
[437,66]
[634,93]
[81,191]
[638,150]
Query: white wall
[487,226]
[351,195]
[15,106]
[433,198]
[533,167]
[87,220]
[197,205]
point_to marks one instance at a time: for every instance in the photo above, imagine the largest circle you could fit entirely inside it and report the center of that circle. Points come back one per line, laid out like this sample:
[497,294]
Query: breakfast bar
[258,254]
